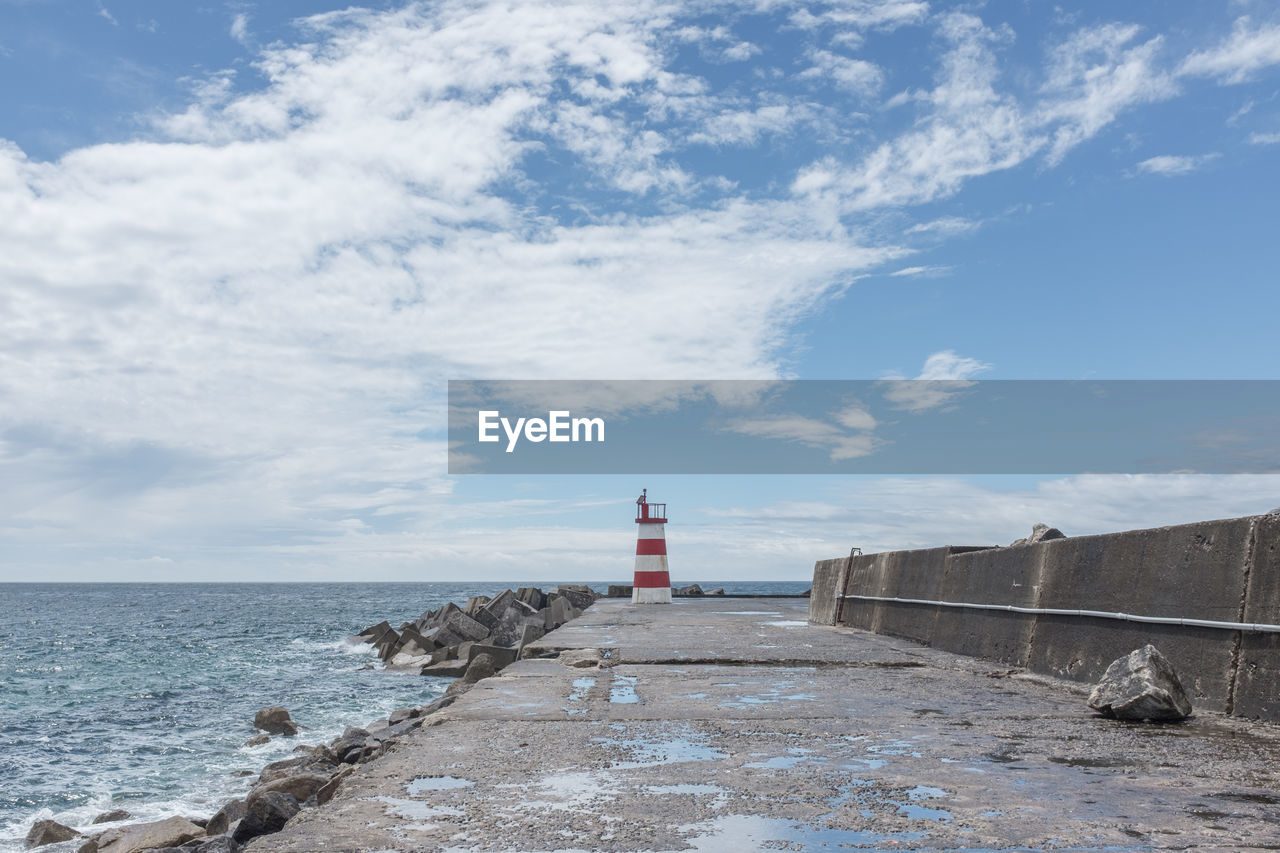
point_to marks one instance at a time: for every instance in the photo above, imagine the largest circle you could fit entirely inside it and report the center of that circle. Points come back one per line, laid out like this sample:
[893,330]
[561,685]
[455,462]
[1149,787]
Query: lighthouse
[652,584]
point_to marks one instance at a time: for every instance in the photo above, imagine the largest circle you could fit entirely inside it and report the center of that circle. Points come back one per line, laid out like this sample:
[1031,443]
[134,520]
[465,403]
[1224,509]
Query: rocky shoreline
[467,643]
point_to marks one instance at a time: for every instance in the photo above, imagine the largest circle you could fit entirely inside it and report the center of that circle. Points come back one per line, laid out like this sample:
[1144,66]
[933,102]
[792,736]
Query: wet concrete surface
[720,725]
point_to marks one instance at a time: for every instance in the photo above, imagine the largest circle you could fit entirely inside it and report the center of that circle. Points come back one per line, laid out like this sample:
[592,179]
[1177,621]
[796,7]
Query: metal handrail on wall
[1253,627]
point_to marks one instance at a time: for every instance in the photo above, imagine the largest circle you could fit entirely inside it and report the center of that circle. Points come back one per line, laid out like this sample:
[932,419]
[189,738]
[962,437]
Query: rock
[481,666]
[373,632]
[446,668]
[619,591]
[267,814]
[414,642]
[326,791]
[438,705]
[300,787]
[502,656]
[44,832]
[112,816]
[464,626]
[1275,511]
[171,832]
[219,844]
[90,846]
[475,603]
[222,820]
[532,596]
[320,759]
[557,612]
[258,740]
[500,602]
[579,595]
[275,720]
[350,739]
[387,643]
[1039,533]
[720,591]
[403,714]
[532,631]
[692,590]
[1142,685]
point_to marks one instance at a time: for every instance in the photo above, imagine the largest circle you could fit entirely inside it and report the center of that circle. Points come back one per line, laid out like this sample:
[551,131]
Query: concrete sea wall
[1226,570]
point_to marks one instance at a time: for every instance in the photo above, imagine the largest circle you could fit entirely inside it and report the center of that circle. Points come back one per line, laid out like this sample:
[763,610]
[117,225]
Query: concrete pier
[732,725]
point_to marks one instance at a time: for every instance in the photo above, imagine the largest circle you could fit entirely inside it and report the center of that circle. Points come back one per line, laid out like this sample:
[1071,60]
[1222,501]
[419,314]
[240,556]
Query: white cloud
[912,272]
[1095,75]
[854,75]
[945,226]
[944,377]
[239,330]
[1263,138]
[106,15]
[924,512]
[1240,56]
[861,15]
[739,52]
[972,130]
[1170,164]
[746,127]
[945,364]
[240,28]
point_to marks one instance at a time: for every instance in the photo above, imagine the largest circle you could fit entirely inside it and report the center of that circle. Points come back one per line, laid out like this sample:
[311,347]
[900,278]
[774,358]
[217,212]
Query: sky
[243,248]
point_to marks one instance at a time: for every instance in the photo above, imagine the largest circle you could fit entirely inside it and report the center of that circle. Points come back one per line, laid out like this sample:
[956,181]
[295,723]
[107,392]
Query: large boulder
[171,832]
[1040,533]
[580,596]
[373,632]
[44,832]
[1142,685]
[112,816]
[300,787]
[267,814]
[693,590]
[275,720]
[320,759]
[219,844]
[328,789]
[223,819]
[532,596]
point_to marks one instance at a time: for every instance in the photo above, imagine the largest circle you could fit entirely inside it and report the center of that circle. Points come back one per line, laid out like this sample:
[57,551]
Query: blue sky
[244,246]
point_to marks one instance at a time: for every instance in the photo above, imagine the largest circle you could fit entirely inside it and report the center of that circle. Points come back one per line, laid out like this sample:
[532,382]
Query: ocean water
[141,696]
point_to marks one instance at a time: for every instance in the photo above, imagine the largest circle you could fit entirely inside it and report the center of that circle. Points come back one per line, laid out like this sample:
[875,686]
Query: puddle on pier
[752,613]
[416,810]
[652,753]
[750,832]
[1092,762]
[788,623]
[795,755]
[436,783]
[689,788]
[913,809]
[581,687]
[623,690]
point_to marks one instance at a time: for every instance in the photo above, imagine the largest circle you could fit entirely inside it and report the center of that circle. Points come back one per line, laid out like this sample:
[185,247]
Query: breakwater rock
[446,641]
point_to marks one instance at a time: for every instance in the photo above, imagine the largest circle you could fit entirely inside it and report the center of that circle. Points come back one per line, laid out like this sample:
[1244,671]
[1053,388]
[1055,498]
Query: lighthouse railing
[651,513]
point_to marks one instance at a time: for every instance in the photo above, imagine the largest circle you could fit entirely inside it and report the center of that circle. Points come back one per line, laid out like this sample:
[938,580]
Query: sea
[141,696]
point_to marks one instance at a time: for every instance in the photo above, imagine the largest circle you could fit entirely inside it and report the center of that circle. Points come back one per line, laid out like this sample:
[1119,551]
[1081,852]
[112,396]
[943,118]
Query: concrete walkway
[733,725]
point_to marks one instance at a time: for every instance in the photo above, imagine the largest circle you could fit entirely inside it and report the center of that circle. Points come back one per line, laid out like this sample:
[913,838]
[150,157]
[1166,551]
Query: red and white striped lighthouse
[652,584]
